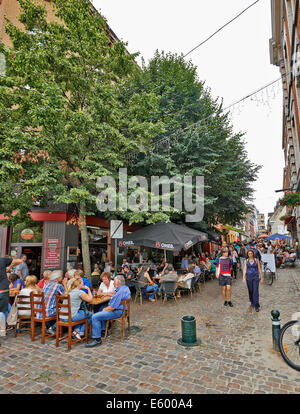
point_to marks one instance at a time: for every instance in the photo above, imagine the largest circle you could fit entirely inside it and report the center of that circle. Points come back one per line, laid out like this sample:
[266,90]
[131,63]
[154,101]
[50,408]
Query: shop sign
[27,234]
[52,254]
[126,243]
[188,244]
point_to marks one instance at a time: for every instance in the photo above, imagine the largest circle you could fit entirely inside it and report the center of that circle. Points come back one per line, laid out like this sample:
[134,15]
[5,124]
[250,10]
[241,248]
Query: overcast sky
[233,64]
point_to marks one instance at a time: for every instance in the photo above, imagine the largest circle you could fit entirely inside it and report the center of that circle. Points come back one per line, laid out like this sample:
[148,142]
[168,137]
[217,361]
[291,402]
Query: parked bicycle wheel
[289,344]
[268,276]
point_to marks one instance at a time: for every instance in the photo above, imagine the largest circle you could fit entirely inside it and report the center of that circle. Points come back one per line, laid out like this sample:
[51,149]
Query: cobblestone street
[236,355]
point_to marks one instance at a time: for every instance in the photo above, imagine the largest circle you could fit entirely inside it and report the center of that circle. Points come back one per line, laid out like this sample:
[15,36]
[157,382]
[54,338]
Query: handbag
[83,306]
[12,317]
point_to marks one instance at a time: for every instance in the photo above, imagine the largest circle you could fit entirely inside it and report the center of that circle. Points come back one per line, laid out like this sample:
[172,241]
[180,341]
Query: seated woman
[30,286]
[69,277]
[107,287]
[45,280]
[146,283]
[76,297]
[15,282]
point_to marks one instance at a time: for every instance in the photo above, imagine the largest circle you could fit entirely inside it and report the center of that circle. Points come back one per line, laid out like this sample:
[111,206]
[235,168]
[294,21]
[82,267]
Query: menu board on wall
[52,254]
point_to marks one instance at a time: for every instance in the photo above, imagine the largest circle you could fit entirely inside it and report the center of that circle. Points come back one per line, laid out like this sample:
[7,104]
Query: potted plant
[291,199]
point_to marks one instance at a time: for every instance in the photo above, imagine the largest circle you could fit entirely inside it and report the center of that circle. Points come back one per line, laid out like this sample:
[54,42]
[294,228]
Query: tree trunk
[85,250]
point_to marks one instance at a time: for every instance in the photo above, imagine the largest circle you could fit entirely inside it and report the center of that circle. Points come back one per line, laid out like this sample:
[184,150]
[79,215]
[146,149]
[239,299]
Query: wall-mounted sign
[72,251]
[27,234]
[52,254]
[116,229]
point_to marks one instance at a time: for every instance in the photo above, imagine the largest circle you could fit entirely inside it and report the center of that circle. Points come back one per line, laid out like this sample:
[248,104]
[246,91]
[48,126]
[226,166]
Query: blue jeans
[99,321]
[78,317]
[149,289]
[7,312]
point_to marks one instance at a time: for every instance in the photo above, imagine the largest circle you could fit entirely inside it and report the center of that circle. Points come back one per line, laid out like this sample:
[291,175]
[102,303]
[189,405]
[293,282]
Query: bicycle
[268,274]
[289,343]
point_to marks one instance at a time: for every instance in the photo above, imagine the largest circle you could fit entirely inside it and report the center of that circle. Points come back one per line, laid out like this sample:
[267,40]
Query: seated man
[50,290]
[113,310]
[289,258]
[169,274]
[197,271]
[124,263]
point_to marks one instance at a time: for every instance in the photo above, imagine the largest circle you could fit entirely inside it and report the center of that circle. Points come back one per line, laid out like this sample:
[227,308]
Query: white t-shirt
[106,289]
[187,279]
[25,292]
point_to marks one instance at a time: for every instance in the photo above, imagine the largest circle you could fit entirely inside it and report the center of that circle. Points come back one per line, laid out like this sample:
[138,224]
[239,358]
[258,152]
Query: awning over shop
[166,236]
[226,226]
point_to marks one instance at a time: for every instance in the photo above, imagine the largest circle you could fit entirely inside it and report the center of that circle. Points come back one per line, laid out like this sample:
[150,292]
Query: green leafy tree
[64,119]
[197,140]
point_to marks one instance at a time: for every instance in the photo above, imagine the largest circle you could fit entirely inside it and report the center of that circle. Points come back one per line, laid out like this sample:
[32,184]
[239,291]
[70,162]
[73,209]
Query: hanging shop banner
[52,254]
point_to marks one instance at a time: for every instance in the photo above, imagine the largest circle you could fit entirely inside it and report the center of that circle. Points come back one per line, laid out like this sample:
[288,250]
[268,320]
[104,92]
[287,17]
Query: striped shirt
[225,266]
[50,290]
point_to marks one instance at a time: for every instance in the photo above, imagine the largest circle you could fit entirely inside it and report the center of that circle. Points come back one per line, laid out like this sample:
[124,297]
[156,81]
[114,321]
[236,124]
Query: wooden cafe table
[98,300]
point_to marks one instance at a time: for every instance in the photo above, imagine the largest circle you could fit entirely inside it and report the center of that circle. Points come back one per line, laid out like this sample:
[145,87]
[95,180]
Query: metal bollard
[275,328]
[188,329]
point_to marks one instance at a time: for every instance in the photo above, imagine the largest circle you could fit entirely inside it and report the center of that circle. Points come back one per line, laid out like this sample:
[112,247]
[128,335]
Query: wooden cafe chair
[122,319]
[37,303]
[63,310]
[23,304]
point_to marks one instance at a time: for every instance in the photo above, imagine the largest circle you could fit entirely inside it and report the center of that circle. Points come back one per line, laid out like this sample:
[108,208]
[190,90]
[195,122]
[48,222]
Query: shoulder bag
[12,317]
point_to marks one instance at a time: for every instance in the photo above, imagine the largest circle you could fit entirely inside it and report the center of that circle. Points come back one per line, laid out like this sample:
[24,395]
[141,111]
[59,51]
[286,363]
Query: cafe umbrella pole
[116,256]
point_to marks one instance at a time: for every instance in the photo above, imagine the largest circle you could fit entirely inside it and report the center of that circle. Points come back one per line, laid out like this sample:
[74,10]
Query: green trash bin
[188,330]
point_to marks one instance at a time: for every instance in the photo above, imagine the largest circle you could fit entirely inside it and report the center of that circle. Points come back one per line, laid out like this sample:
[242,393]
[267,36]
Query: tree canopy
[198,139]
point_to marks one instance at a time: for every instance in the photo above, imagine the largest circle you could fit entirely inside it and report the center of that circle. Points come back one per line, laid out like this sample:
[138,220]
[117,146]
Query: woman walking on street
[252,272]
